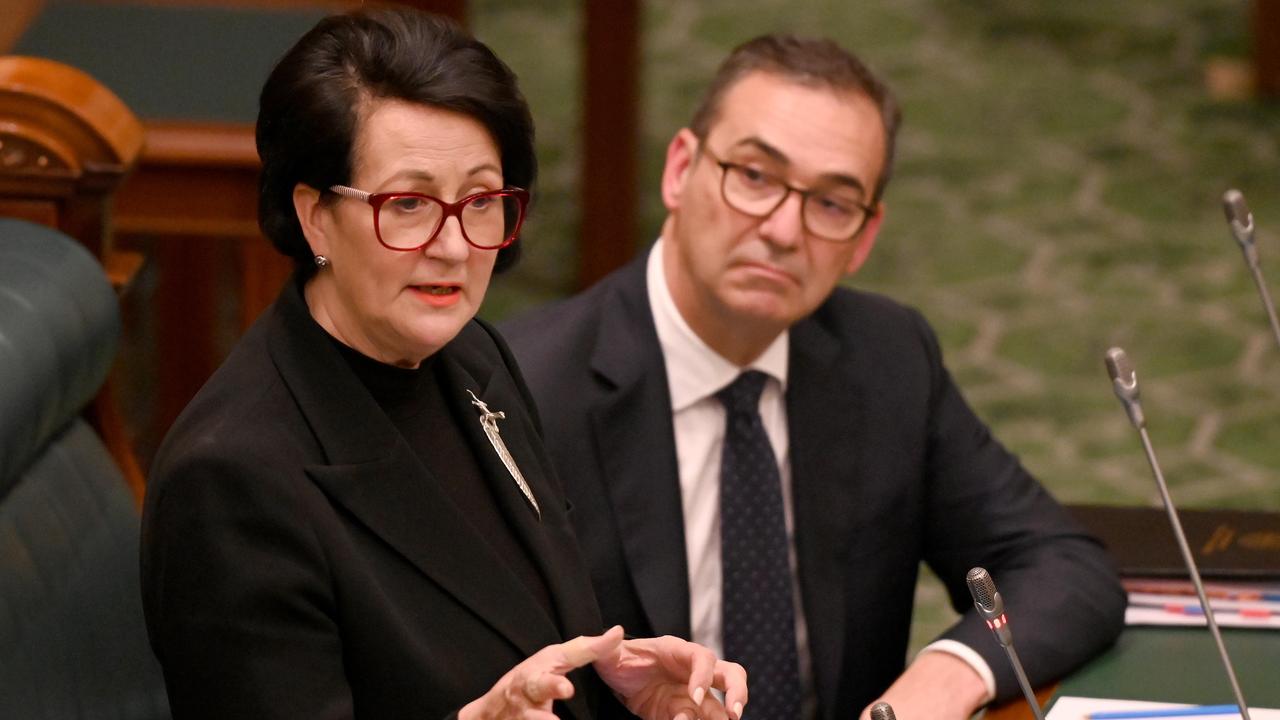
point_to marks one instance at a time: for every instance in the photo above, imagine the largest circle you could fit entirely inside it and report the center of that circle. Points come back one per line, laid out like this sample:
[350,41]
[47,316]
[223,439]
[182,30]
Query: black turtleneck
[412,399]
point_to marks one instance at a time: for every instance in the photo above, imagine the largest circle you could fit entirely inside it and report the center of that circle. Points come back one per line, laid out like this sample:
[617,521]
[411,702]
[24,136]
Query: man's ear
[306,203]
[681,153]
[865,240]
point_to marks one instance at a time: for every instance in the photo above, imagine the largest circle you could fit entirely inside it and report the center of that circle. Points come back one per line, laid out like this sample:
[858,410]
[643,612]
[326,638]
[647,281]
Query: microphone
[1240,220]
[1124,379]
[991,607]
[882,711]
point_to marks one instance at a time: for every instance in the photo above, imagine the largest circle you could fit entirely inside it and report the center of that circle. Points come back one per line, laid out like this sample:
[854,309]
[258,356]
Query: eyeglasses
[830,213]
[408,221]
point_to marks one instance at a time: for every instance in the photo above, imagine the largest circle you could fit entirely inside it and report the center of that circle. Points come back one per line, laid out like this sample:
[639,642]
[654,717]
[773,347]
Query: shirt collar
[694,370]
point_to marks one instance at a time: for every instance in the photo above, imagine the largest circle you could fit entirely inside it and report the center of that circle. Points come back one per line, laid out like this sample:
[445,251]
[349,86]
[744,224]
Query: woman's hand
[667,678]
[528,690]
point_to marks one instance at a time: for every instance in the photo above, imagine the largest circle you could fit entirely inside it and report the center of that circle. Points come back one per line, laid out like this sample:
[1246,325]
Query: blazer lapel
[825,419]
[546,533]
[548,537]
[632,425]
[373,473]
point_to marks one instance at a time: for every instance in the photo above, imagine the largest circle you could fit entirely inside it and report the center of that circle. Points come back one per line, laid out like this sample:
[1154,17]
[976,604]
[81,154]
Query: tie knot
[743,394]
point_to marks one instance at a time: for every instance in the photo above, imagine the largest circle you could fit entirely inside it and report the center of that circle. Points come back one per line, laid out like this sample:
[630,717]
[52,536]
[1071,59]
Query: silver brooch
[489,421]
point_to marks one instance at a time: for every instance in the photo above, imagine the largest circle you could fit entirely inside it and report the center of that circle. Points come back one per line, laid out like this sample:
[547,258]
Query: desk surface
[1170,665]
[1182,665]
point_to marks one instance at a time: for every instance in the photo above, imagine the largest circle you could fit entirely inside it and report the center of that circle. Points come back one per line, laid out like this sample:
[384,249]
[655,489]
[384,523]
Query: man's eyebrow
[764,147]
[780,157]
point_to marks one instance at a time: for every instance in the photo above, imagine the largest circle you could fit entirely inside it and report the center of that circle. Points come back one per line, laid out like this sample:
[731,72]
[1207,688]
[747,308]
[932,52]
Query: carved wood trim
[66,141]
[201,144]
[70,105]
[193,179]
[30,149]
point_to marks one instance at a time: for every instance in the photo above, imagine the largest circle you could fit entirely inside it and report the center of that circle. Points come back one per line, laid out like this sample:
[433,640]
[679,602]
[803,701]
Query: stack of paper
[1175,602]
[1082,708]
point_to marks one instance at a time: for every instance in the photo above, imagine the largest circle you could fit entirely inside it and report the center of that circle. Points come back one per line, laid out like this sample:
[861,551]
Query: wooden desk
[1178,664]
[1016,709]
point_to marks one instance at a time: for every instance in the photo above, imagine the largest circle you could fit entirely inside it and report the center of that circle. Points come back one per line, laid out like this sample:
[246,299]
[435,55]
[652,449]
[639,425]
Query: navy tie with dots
[758,615]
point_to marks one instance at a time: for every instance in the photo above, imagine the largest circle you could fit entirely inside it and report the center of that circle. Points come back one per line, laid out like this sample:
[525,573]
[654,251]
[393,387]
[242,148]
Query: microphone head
[1238,217]
[1124,381]
[1123,377]
[1120,368]
[882,711]
[989,604]
[983,590]
[1235,208]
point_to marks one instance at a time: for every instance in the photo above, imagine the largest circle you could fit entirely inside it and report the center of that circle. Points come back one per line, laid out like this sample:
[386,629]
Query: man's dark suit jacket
[299,561]
[890,467]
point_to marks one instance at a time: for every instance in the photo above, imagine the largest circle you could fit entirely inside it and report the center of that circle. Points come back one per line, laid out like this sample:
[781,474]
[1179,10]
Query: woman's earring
[322,261]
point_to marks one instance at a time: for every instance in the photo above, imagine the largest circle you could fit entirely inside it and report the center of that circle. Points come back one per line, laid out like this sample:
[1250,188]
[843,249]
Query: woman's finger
[732,679]
[585,649]
[712,709]
[702,664]
[540,688]
[682,707]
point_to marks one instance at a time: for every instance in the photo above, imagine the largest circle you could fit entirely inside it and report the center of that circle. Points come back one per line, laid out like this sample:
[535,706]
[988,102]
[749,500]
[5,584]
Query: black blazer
[890,467]
[299,561]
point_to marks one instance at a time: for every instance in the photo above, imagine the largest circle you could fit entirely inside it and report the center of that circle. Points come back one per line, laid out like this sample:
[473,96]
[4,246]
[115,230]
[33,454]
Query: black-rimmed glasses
[832,213]
[408,221]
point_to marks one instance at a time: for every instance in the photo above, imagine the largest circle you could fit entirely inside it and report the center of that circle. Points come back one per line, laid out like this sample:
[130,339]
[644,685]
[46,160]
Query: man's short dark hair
[810,61]
[312,103]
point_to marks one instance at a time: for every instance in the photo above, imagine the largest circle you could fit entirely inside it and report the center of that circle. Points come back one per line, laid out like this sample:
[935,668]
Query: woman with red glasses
[355,517]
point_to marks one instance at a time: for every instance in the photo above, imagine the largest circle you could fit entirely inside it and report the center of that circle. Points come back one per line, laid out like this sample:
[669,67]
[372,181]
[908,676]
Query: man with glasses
[760,460]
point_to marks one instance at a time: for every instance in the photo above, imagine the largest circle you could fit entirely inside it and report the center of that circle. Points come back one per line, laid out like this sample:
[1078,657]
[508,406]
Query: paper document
[1079,708]
[1175,602]
[1178,615]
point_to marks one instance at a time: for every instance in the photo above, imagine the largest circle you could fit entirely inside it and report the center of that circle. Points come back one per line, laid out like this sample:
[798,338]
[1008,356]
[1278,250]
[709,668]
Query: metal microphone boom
[1240,220]
[1124,380]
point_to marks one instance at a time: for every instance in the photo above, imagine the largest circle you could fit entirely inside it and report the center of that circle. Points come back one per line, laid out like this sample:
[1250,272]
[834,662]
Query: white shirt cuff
[970,657]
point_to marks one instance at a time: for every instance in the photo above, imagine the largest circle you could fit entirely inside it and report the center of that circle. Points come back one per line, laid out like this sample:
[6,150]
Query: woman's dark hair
[310,107]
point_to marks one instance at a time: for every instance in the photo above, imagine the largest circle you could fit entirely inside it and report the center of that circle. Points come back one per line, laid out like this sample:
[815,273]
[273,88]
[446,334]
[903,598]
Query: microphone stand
[1240,221]
[1191,565]
[1266,302]
[1026,685]
[1125,381]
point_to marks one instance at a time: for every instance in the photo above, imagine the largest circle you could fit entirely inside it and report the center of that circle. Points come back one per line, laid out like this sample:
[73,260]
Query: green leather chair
[72,639]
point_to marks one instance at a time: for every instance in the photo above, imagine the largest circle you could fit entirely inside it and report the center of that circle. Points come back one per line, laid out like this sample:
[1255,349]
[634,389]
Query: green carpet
[1057,192]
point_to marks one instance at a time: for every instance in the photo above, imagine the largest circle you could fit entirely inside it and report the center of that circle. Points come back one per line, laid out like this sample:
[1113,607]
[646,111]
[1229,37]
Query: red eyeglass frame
[450,209]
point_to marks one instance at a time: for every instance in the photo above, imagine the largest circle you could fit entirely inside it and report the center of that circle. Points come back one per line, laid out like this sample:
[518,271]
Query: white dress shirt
[695,373]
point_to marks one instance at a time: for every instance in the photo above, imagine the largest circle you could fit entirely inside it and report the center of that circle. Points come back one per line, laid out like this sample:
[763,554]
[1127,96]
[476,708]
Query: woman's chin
[426,338]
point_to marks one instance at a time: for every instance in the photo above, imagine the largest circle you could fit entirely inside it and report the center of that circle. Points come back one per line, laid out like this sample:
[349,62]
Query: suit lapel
[373,473]
[633,431]
[826,425]
[548,539]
